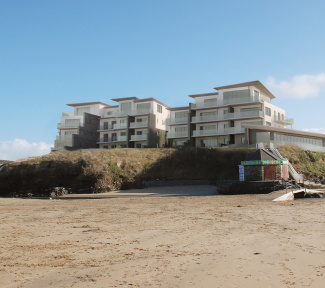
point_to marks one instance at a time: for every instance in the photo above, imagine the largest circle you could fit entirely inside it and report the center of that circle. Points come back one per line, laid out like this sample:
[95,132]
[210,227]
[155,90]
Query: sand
[199,241]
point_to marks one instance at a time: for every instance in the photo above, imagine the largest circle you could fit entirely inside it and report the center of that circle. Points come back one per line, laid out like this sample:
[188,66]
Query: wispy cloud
[299,86]
[315,130]
[20,148]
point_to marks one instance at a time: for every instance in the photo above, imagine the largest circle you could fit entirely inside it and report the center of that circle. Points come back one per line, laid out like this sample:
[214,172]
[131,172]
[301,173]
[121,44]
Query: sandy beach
[144,241]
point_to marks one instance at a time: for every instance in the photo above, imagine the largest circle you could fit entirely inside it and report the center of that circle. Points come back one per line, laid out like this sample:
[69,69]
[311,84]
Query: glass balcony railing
[247,114]
[283,120]
[216,132]
[70,125]
[173,121]
[207,118]
[138,137]
[230,101]
[128,112]
[117,138]
[139,124]
[182,134]
[68,114]
[223,117]
[209,132]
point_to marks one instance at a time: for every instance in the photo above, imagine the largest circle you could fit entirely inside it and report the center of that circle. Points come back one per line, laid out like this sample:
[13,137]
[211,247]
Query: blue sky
[58,52]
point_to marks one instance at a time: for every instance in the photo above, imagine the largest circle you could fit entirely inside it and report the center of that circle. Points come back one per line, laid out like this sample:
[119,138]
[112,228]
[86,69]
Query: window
[256,93]
[144,108]
[126,107]
[159,108]
[267,111]
[81,111]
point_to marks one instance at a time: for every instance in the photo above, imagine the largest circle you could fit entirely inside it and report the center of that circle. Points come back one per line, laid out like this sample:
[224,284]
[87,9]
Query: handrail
[294,174]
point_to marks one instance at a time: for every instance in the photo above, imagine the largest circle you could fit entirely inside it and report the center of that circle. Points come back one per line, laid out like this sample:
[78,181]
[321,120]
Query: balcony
[283,120]
[128,112]
[68,126]
[210,132]
[176,121]
[182,134]
[216,132]
[210,118]
[228,116]
[118,138]
[227,102]
[139,124]
[142,137]
[140,111]
[209,104]
[116,126]
[67,114]
[242,100]
[240,115]
[64,137]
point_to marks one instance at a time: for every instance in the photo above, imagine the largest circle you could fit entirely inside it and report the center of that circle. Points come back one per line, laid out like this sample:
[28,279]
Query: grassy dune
[100,171]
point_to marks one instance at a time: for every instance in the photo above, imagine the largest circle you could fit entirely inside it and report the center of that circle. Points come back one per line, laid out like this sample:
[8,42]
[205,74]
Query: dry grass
[99,171]
[305,162]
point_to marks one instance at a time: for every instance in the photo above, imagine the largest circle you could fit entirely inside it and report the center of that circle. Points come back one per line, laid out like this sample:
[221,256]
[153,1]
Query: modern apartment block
[133,123]
[238,115]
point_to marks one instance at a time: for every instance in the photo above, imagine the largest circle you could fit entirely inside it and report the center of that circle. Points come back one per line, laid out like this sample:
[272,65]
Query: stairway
[293,173]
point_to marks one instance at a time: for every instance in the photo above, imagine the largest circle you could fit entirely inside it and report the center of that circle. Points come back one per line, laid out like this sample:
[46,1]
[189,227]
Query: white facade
[234,115]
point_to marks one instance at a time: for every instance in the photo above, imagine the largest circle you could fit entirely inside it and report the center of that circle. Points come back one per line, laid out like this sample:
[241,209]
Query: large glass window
[126,107]
[144,107]
[267,111]
[82,110]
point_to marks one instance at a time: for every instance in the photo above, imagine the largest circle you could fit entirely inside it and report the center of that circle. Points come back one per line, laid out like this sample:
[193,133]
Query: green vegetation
[101,171]
[311,164]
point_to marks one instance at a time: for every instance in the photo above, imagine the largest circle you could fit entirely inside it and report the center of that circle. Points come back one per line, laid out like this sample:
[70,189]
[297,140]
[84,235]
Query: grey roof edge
[255,83]
[87,103]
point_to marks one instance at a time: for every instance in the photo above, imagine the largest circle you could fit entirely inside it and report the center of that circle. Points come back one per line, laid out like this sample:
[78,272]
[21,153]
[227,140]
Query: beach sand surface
[199,241]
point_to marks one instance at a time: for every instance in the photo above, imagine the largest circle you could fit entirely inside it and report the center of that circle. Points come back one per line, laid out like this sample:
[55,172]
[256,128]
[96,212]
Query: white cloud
[315,130]
[299,86]
[20,148]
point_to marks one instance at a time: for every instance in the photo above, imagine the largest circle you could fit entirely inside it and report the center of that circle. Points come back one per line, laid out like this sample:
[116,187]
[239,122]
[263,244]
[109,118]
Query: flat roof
[124,99]
[178,108]
[111,106]
[284,130]
[150,99]
[256,84]
[203,94]
[87,103]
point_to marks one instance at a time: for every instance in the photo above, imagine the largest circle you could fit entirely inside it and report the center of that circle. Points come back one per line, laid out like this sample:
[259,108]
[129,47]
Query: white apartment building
[133,123]
[238,115]
[217,118]
[78,129]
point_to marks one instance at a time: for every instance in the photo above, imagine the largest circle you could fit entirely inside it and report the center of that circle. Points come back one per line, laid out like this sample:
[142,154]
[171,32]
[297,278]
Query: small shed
[264,165]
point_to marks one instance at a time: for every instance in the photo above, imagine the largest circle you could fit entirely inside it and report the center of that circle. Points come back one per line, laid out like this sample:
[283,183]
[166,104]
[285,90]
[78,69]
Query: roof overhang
[256,84]
[204,94]
[87,103]
[125,99]
[284,131]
